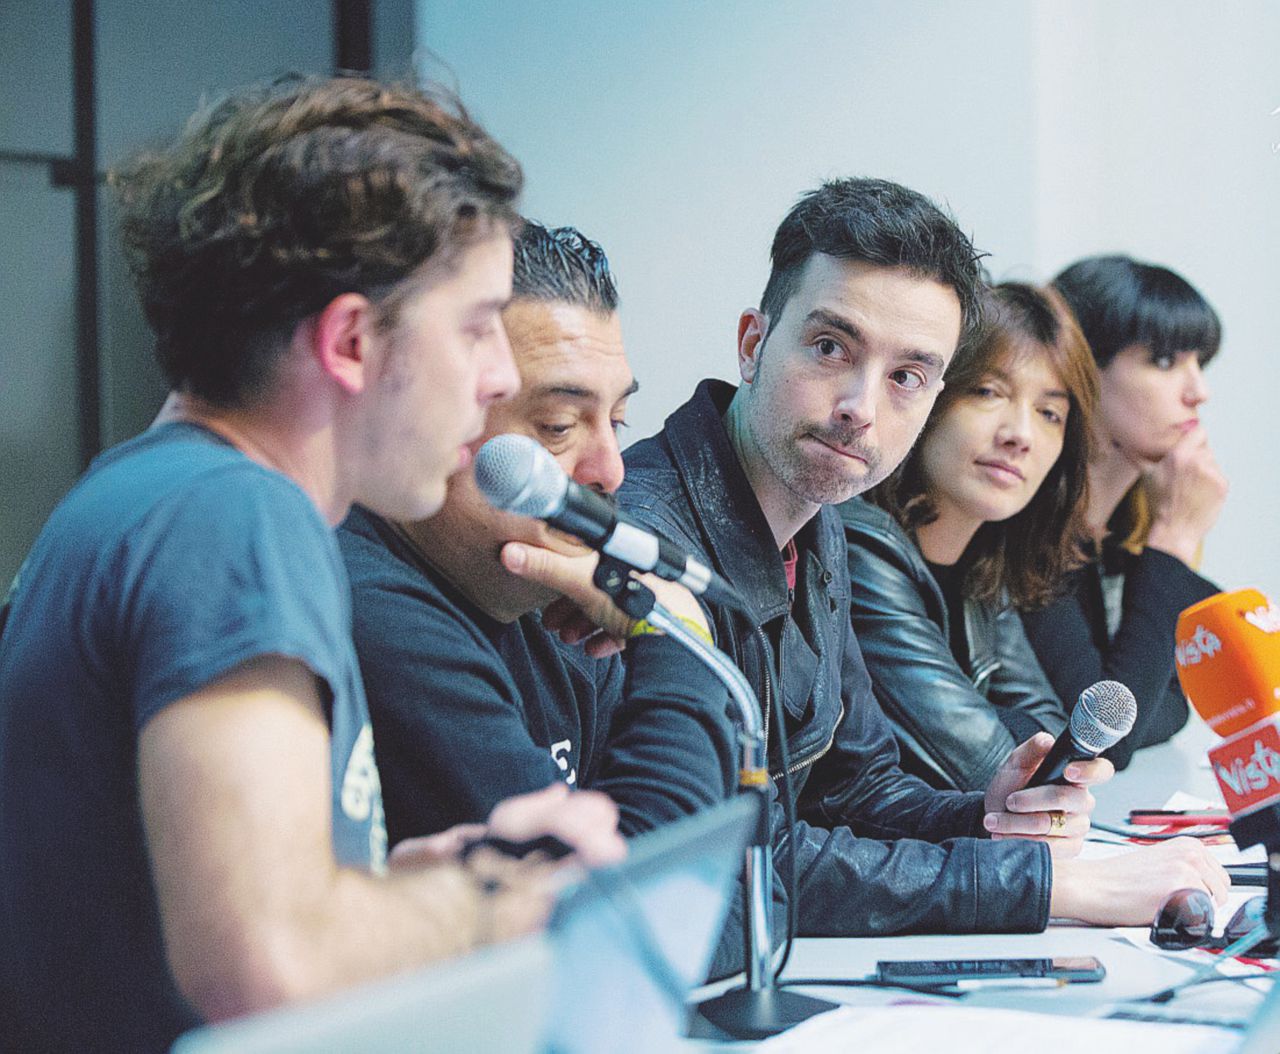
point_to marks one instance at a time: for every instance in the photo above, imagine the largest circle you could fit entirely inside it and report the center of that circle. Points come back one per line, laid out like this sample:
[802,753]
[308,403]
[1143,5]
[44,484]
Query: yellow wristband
[644,628]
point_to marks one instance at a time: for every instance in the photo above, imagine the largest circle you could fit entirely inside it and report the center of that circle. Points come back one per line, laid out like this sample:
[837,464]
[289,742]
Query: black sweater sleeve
[462,721]
[450,730]
[1070,637]
[669,748]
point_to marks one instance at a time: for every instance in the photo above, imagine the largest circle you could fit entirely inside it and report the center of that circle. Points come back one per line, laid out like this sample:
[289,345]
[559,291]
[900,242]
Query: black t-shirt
[950,579]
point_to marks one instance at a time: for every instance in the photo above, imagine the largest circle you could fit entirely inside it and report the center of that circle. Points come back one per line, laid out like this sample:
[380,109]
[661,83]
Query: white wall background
[679,133]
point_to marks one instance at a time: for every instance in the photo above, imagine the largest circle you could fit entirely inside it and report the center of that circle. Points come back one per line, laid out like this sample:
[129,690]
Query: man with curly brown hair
[190,811]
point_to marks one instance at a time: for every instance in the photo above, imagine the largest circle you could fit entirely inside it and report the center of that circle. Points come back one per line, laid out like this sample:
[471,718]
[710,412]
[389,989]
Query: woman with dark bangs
[1154,492]
[982,519]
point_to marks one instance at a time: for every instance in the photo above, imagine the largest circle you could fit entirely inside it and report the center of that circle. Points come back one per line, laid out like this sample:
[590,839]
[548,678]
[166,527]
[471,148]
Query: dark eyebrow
[834,321]
[573,391]
[927,358]
[1048,393]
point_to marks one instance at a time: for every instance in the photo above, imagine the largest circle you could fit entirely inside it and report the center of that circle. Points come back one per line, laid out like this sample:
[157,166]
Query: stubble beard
[781,449]
[819,484]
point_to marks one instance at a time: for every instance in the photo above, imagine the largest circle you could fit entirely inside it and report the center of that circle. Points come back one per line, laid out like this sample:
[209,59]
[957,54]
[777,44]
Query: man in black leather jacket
[870,292]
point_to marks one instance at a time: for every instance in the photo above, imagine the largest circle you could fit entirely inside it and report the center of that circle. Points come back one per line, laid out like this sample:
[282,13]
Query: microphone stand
[1259,827]
[1262,827]
[760,1008]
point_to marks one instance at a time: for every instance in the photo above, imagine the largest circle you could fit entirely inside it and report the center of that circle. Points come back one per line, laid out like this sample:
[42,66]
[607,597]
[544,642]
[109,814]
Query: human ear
[752,327]
[341,337]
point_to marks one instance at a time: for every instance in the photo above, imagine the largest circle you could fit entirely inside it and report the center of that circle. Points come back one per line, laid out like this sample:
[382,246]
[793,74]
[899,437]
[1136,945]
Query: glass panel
[39,457]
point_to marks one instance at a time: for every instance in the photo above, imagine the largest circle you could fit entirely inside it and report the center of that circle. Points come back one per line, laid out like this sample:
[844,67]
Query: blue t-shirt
[174,560]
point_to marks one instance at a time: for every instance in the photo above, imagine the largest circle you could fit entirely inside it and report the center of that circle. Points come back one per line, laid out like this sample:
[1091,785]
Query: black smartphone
[1064,969]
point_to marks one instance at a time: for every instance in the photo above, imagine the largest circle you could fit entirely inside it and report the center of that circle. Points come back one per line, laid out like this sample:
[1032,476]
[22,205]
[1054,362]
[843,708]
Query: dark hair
[283,196]
[1021,560]
[560,264]
[878,222]
[1119,301]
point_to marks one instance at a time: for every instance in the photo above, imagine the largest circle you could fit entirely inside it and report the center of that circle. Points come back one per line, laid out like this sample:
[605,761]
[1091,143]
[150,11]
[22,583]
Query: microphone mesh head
[1104,715]
[516,474]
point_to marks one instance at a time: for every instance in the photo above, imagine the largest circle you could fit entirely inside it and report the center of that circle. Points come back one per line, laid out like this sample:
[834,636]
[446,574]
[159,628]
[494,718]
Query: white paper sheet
[916,1027]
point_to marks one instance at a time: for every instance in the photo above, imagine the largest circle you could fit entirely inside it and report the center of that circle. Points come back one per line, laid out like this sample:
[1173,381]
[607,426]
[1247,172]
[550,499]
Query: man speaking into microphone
[471,698]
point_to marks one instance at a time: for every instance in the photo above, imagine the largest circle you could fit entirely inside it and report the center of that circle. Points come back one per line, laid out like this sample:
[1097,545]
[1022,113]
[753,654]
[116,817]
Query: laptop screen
[630,942]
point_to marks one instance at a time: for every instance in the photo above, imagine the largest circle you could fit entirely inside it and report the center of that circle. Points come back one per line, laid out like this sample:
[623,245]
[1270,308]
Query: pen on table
[1157,818]
[970,983]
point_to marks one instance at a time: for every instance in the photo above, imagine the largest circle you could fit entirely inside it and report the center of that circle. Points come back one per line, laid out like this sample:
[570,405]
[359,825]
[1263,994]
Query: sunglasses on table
[1185,920]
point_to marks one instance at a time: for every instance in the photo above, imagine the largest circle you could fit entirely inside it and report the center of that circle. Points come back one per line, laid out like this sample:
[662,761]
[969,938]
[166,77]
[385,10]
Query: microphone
[1103,716]
[1228,659]
[517,474]
[1228,663]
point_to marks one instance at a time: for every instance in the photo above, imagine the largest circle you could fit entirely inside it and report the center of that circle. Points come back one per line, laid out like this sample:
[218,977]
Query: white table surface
[1132,970]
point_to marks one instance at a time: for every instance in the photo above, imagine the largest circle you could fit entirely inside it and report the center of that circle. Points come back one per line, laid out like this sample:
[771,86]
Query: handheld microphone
[1228,662]
[1228,659]
[1103,716]
[517,474]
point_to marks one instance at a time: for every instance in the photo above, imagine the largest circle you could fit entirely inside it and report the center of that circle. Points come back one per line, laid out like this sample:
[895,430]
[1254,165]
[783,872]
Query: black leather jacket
[878,851]
[945,710]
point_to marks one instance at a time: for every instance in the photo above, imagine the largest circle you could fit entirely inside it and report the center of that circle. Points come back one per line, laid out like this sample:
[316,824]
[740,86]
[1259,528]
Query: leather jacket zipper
[803,762]
[768,688]
[768,668]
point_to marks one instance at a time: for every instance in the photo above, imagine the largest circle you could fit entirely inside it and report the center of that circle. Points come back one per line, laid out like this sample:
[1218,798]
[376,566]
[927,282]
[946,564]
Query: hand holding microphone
[1103,715]
[1040,791]
[1122,890]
